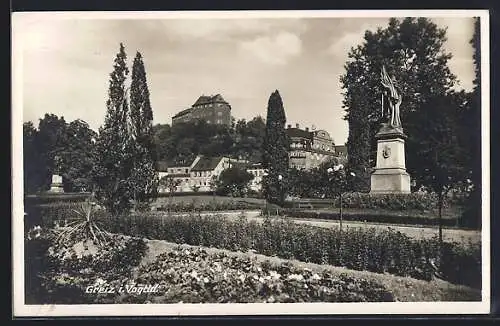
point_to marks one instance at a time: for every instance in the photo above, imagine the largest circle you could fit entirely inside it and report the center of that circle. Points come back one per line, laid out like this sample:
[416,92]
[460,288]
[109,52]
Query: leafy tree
[412,51]
[234,182]
[275,155]
[441,157]
[76,156]
[144,178]
[113,151]
[51,139]
[471,122]
[34,173]
[171,184]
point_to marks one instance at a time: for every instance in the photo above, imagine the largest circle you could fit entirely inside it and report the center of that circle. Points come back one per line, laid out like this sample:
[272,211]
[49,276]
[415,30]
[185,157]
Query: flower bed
[81,276]
[197,276]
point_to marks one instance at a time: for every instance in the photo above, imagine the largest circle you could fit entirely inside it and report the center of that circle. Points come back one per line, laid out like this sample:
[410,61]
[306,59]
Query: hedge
[376,217]
[354,248]
[417,201]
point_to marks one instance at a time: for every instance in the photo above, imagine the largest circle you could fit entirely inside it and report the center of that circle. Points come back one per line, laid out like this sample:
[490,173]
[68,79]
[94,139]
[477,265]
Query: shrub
[382,217]
[57,274]
[355,248]
[417,201]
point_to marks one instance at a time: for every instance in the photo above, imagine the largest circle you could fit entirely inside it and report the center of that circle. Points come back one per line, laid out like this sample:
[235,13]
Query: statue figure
[394,98]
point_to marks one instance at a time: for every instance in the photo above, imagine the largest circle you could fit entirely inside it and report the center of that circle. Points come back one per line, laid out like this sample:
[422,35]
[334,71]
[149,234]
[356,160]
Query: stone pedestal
[390,176]
[56,185]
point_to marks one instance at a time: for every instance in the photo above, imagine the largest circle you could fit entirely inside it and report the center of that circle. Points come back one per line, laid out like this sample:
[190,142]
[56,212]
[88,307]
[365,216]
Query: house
[308,149]
[213,109]
[178,172]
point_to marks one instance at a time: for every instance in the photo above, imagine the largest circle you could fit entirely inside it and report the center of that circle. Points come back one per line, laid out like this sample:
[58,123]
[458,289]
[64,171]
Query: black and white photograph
[250,162]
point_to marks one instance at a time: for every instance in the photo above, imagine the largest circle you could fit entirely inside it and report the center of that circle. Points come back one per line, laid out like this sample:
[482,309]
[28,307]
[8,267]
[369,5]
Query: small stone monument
[56,185]
[390,176]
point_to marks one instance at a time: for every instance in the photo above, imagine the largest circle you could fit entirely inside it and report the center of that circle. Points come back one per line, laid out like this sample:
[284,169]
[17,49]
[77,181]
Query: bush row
[416,200]
[374,217]
[355,248]
[208,206]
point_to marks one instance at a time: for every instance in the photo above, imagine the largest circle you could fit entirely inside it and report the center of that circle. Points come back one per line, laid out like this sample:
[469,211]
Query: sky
[66,64]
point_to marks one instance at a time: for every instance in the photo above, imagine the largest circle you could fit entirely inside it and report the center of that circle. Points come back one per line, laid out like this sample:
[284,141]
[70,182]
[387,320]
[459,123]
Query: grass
[404,289]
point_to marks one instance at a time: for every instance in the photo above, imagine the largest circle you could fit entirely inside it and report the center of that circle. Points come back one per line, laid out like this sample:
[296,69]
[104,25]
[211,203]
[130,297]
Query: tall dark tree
[275,155]
[412,51]
[34,172]
[113,156]
[144,179]
[441,158]
[472,133]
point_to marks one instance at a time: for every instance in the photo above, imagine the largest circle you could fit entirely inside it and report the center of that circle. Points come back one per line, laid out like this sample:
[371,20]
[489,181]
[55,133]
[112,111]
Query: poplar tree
[144,179]
[113,158]
[275,156]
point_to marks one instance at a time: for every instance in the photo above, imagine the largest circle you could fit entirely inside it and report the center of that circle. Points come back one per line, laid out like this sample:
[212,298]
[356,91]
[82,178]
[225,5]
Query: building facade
[308,149]
[213,109]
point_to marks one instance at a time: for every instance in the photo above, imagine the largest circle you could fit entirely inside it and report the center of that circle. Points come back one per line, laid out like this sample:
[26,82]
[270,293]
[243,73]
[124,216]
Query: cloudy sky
[66,64]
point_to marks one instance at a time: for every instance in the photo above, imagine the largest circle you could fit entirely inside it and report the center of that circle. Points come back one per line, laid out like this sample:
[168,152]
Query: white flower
[329,170]
[259,269]
[194,274]
[274,275]
[255,277]
[280,177]
[338,167]
[316,277]
[100,281]
[353,174]
[242,277]
[205,279]
[261,280]
[297,277]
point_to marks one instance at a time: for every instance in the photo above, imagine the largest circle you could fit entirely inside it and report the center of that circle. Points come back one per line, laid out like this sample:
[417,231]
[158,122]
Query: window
[219,113]
[187,170]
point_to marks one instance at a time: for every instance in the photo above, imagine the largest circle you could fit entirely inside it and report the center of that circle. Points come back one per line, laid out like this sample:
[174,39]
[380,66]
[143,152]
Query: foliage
[83,227]
[354,248]
[234,182]
[144,178]
[412,50]
[276,146]
[389,217]
[57,147]
[34,174]
[471,122]
[59,273]
[113,149]
[440,159]
[208,206]
[181,143]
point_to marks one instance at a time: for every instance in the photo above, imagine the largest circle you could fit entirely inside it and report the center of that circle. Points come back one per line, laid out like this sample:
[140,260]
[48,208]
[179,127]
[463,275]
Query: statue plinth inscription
[390,174]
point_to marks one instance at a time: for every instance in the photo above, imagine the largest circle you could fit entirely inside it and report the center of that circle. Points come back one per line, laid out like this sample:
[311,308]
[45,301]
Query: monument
[57,182]
[56,185]
[390,176]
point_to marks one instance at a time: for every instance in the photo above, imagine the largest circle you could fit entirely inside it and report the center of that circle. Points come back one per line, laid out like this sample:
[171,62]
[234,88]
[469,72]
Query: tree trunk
[440,211]
[340,195]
